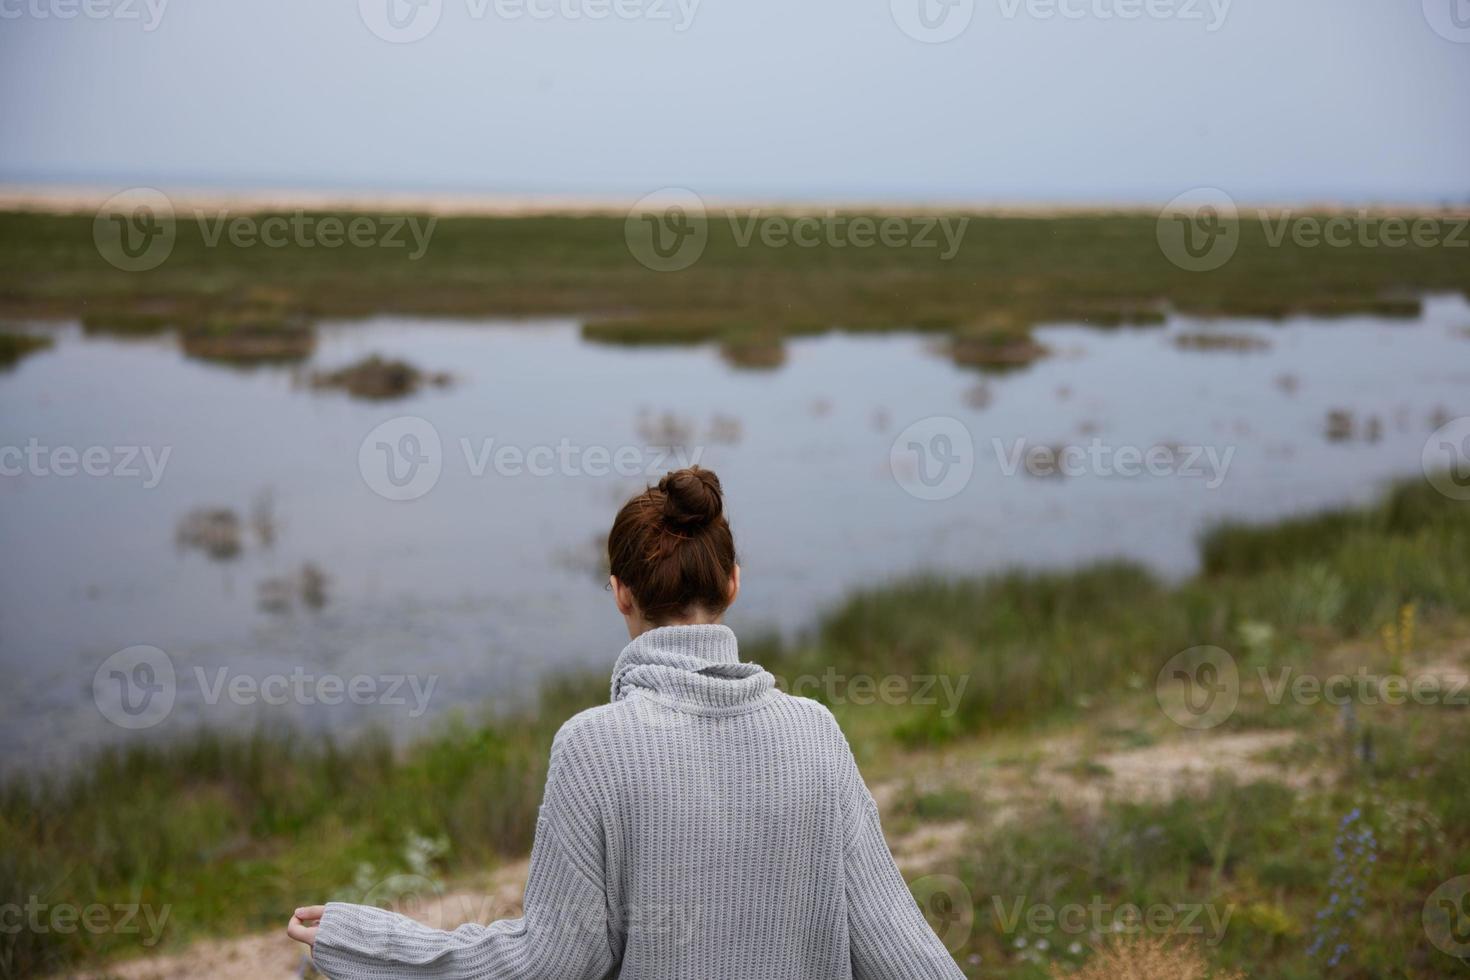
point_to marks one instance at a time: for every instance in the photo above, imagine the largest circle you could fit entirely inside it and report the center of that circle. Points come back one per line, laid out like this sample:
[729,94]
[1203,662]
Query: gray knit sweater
[701,826]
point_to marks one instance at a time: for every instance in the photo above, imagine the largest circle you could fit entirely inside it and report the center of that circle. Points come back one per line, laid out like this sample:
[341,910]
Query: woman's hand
[305,923]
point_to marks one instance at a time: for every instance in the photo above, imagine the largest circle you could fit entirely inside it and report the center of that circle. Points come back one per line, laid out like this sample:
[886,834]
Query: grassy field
[227,831]
[1005,275]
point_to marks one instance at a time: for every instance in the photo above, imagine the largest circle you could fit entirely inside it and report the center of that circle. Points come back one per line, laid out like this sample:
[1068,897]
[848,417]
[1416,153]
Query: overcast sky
[1030,100]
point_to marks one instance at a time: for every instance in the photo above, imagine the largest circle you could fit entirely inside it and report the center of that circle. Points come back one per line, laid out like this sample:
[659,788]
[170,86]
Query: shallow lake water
[492,577]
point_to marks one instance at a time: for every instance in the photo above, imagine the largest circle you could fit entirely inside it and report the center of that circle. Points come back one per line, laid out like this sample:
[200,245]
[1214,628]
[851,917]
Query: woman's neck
[637,625]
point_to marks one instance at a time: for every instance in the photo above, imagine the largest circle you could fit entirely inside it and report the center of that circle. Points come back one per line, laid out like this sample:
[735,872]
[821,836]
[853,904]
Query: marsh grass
[1251,865]
[228,829]
[1104,269]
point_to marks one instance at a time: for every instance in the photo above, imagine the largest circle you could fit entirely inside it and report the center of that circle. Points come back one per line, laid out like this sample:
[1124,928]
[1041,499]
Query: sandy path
[70,199]
[271,956]
[1154,772]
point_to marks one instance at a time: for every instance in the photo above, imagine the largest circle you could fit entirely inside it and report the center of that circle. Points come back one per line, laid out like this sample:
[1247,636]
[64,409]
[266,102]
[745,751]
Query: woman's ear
[734,586]
[623,596]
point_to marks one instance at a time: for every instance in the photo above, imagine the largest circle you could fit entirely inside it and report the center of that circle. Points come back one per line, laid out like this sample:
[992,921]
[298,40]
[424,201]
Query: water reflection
[262,548]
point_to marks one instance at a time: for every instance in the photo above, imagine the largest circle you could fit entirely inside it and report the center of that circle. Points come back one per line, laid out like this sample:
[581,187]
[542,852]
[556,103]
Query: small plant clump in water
[216,531]
[725,430]
[379,378]
[246,337]
[14,346]
[136,321]
[761,352]
[279,594]
[997,343]
[1342,426]
[1127,317]
[632,331]
[1220,341]
[665,429]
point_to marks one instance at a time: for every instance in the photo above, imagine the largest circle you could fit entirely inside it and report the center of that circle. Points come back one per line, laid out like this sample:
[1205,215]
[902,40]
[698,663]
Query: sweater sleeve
[563,933]
[888,936]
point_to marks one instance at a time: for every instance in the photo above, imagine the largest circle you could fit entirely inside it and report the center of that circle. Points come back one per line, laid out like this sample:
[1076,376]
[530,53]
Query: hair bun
[692,497]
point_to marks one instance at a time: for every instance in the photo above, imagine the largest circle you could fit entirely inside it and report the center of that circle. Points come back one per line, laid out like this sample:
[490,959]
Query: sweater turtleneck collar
[694,666]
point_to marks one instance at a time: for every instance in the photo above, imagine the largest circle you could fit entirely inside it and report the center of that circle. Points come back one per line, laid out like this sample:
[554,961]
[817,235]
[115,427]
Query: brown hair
[672,547]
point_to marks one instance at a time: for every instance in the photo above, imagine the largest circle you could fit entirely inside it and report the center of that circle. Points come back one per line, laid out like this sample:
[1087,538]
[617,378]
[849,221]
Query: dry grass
[1150,958]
